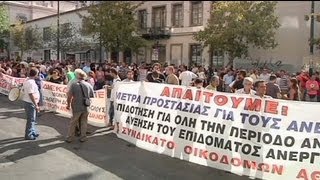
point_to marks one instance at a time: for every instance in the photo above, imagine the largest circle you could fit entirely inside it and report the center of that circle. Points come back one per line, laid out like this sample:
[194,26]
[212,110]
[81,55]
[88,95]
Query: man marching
[77,94]
[31,97]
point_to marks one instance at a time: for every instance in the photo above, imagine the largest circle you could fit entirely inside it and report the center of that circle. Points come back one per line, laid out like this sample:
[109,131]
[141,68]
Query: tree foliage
[70,38]
[26,38]
[4,28]
[4,20]
[235,25]
[114,23]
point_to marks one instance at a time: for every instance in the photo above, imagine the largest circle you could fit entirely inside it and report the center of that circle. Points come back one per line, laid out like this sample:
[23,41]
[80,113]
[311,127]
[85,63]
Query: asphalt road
[103,156]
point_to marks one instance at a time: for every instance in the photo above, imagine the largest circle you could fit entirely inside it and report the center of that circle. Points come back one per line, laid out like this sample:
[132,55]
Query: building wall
[31,10]
[51,21]
[178,45]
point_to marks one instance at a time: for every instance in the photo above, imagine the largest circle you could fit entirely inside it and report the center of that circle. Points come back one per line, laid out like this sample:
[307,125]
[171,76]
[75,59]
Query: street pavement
[102,157]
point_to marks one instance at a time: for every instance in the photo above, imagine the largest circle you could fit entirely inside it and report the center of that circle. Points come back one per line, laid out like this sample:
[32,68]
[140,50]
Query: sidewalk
[103,156]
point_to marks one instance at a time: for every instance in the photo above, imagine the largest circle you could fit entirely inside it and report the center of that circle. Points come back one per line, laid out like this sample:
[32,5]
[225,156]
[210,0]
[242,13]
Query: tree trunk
[230,61]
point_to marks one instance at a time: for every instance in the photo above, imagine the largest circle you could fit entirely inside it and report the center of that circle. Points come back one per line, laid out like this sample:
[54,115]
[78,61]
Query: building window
[142,19]
[196,13]
[41,3]
[177,15]
[159,17]
[196,54]
[21,17]
[65,30]
[46,34]
[217,58]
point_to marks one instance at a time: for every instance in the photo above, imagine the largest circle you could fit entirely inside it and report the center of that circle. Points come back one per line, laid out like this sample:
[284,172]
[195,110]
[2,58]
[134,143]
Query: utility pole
[311,36]
[58,33]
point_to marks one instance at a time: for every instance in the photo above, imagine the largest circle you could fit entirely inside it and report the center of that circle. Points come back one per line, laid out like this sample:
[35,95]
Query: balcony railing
[155,33]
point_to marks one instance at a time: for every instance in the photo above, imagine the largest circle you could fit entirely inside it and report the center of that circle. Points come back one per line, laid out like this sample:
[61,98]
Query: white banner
[55,99]
[268,139]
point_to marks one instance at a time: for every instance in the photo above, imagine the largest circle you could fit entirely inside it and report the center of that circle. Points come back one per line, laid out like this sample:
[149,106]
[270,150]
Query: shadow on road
[107,152]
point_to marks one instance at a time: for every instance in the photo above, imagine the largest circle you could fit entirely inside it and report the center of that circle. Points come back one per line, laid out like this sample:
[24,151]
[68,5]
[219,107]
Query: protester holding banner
[116,78]
[247,87]
[261,89]
[171,77]
[78,99]
[130,76]
[31,99]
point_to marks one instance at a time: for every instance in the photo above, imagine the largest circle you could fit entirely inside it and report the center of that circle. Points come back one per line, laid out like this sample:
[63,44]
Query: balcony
[155,33]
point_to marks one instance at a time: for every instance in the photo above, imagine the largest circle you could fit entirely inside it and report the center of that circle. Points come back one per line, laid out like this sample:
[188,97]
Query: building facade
[170,26]
[29,10]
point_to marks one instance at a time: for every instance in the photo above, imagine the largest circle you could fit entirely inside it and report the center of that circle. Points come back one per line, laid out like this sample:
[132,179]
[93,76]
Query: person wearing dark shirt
[156,76]
[238,84]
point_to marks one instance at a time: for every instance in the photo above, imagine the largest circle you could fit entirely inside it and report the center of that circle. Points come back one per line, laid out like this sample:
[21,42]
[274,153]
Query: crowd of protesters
[265,83]
[300,86]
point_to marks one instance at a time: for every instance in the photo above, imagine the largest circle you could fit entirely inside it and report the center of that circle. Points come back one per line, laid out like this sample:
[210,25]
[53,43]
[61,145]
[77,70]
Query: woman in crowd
[56,77]
[312,87]
[100,78]
[91,78]
[294,92]
[214,83]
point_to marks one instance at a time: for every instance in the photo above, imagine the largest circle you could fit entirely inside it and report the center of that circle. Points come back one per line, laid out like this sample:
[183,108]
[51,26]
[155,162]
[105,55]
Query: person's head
[130,75]
[247,83]
[313,77]
[242,74]
[230,72]
[156,67]
[169,70]
[114,72]
[198,83]
[265,71]
[215,81]
[33,73]
[293,83]
[55,72]
[80,74]
[282,73]
[183,68]
[273,78]
[261,88]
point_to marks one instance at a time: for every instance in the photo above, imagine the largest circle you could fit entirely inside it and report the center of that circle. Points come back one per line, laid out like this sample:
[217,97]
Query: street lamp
[311,34]
[58,33]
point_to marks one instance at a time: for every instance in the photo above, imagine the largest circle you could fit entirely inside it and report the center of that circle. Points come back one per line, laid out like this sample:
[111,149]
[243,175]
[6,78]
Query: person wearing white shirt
[227,80]
[265,76]
[129,77]
[116,78]
[247,87]
[186,76]
[31,97]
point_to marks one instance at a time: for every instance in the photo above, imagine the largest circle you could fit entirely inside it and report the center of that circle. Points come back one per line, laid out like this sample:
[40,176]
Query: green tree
[70,38]
[114,24]
[235,25]
[26,38]
[4,29]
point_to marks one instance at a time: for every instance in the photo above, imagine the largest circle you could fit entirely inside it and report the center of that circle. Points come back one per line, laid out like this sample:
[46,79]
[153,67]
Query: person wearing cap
[77,92]
[247,87]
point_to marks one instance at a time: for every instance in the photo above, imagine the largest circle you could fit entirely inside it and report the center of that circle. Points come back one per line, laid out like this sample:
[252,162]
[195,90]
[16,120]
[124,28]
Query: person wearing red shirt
[312,87]
[303,78]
